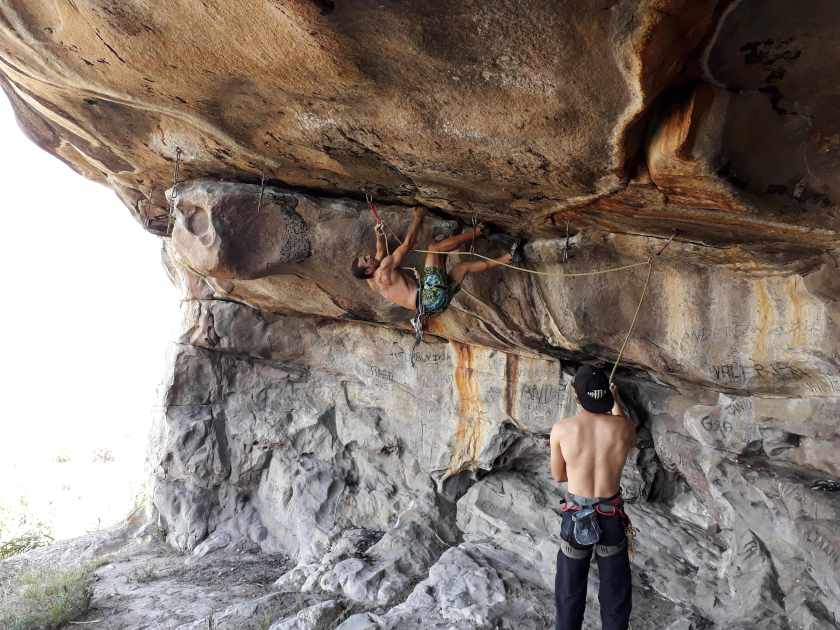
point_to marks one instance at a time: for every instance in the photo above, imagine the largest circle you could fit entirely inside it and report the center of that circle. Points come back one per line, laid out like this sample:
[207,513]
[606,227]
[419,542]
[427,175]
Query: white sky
[85,315]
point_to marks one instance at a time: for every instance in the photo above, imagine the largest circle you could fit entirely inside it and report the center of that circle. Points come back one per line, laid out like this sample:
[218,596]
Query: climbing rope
[262,190]
[149,207]
[174,188]
[639,308]
[532,271]
[380,222]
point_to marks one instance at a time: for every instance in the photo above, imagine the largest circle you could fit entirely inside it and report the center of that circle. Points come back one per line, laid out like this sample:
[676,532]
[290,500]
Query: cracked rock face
[290,412]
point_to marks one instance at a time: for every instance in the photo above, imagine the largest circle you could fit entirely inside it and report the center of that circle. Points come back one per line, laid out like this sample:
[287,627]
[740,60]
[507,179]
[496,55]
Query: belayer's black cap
[593,389]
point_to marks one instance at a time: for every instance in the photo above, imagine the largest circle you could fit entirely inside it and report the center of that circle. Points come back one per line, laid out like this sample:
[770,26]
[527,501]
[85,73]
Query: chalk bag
[587,530]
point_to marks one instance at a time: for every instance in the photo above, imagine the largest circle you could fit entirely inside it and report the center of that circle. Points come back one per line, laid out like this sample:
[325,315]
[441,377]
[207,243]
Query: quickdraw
[665,246]
[149,207]
[262,190]
[826,485]
[369,199]
[420,321]
[568,241]
[174,188]
[474,225]
[755,468]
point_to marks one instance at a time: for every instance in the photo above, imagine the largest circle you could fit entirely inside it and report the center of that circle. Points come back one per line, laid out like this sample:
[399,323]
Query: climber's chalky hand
[419,212]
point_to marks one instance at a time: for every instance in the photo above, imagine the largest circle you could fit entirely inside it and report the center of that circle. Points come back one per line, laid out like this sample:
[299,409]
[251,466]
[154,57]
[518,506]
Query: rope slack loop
[262,190]
[149,207]
[174,188]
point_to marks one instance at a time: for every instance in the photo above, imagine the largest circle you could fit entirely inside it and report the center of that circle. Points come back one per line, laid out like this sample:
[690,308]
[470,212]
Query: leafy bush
[23,543]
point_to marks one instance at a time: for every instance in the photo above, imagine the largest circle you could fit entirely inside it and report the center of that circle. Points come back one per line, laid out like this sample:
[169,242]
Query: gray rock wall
[391,485]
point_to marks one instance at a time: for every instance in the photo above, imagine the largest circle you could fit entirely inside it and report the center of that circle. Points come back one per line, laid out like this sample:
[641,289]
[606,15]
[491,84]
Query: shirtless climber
[589,451]
[384,275]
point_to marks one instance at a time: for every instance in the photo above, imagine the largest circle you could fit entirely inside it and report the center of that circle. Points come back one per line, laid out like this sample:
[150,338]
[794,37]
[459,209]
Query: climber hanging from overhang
[431,294]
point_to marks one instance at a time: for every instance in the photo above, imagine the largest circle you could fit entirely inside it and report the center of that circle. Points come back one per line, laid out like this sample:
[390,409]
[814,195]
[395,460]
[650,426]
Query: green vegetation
[143,575]
[29,533]
[46,599]
[159,533]
[139,496]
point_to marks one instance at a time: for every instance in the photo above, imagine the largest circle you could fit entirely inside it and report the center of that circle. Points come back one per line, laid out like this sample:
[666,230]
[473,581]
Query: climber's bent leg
[445,246]
[460,271]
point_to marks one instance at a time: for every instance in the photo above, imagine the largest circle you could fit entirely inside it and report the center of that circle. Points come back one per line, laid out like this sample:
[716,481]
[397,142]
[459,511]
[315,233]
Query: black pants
[615,594]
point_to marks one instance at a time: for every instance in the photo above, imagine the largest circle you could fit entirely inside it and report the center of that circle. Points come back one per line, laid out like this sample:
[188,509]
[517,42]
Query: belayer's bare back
[594,447]
[589,450]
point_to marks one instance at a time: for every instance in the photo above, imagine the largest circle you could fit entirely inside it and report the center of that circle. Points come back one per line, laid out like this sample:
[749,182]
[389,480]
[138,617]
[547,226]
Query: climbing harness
[587,531]
[262,190]
[149,207]
[174,188]
[826,485]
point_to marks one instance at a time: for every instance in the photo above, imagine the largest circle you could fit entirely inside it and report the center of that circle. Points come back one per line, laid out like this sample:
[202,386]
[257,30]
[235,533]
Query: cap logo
[597,394]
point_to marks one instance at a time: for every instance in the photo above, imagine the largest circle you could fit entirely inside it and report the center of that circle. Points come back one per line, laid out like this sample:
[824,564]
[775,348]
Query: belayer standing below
[384,275]
[589,451]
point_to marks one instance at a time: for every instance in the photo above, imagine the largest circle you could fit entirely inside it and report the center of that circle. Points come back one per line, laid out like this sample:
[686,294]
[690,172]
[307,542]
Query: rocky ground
[146,584]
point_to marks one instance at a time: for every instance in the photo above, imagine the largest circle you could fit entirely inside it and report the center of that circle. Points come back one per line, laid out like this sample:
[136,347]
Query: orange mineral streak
[673,165]
[472,419]
[764,316]
[511,394]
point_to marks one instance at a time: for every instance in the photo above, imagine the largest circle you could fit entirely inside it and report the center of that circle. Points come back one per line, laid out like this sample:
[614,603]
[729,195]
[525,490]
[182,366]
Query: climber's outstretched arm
[411,238]
[380,244]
